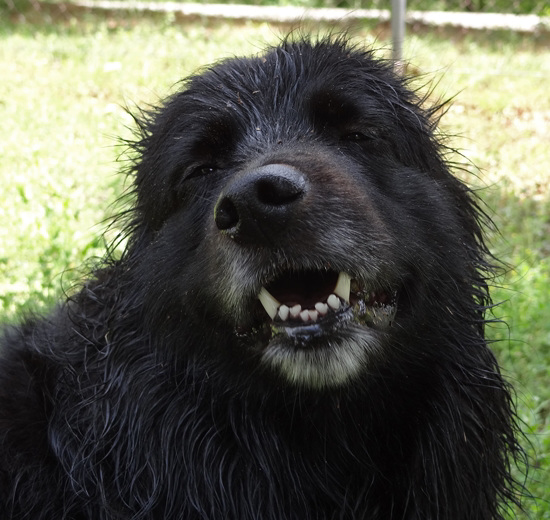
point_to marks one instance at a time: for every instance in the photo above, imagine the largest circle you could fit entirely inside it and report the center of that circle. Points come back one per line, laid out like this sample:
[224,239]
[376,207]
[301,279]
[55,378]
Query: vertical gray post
[398,8]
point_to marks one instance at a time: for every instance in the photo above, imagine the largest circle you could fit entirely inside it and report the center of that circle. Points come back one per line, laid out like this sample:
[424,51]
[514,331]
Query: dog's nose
[257,207]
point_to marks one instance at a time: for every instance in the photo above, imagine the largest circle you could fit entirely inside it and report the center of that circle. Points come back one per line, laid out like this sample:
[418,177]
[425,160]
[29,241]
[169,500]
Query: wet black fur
[143,395]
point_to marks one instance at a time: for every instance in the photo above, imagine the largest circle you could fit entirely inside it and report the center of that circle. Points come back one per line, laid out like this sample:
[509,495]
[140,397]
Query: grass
[64,85]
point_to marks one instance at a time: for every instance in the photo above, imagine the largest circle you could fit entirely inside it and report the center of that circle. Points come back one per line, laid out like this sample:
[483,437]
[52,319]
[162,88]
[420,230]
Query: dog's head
[297,206]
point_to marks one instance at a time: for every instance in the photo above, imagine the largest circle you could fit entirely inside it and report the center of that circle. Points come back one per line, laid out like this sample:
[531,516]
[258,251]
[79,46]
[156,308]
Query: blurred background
[68,69]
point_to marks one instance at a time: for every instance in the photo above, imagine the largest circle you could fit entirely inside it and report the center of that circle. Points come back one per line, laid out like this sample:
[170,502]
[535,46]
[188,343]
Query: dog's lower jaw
[324,362]
[329,353]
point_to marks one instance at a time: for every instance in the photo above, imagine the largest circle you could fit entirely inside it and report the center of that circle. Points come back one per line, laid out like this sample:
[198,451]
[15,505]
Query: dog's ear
[155,158]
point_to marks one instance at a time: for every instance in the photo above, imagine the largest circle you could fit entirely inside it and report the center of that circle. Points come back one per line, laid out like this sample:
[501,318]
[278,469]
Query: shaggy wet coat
[294,331]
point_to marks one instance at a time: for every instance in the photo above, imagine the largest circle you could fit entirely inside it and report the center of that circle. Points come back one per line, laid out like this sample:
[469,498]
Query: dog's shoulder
[26,377]
[26,388]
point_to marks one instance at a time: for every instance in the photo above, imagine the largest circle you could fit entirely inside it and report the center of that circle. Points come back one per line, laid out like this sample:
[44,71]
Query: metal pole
[398,9]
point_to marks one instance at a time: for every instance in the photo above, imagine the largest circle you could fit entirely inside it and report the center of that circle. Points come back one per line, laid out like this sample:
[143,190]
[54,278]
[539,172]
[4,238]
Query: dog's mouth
[315,302]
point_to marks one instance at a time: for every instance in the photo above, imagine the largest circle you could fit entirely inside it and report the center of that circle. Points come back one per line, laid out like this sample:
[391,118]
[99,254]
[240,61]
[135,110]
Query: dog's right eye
[200,170]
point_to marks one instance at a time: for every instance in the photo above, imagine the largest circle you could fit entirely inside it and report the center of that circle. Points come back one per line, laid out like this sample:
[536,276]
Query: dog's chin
[329,343]
[310,356]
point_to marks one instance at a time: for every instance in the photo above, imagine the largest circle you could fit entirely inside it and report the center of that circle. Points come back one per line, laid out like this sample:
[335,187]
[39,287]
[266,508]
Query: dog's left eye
[360,136]
[355,136]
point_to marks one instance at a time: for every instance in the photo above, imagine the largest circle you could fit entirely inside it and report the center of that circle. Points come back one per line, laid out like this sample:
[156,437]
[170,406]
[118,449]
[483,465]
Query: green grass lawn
[63,87]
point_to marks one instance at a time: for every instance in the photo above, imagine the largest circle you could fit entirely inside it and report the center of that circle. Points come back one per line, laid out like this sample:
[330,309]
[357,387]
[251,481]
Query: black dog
[295,329]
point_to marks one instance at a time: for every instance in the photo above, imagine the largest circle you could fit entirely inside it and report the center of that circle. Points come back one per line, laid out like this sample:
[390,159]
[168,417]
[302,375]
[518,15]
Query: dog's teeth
[343,285]
[270,304]
[295,311]
[321,308]
[333,302]
[283,312]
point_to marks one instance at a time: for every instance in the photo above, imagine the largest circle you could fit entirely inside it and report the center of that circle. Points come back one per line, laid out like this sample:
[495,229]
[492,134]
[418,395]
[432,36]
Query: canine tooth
[333,302]
[284,312]
[343,285]
[269,303]
[313,315]
[295,310]
[321,308]
[304,315]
